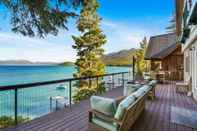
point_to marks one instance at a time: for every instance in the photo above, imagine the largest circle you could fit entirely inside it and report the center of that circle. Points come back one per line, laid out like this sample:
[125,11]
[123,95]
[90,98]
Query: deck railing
[24,102]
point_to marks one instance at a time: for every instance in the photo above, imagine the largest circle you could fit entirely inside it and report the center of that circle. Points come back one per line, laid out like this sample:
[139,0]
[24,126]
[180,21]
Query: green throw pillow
[138,93]
[103,105]
[145,88]
[123,106]
[130,88]
[154,81]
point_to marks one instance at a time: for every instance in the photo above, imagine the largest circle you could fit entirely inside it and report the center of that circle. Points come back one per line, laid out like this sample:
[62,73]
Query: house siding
[194,70]
[190,60]
[174,63]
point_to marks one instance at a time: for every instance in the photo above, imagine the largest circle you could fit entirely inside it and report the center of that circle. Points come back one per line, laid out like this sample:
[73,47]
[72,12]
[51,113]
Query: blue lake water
[10,75]
[35,102]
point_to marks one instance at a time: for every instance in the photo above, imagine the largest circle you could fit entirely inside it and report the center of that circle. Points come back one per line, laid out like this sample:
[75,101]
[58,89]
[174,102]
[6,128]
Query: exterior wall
[190,60]
[187,65]
[174,64]
[194,69]
[171,64]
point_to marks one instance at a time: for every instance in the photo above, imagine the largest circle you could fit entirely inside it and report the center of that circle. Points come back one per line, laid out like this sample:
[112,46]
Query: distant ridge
[25,62]
[120,58]
[68,63]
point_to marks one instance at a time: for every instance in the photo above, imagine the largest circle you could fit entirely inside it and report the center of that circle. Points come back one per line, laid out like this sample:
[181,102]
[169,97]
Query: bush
[7,121]
[85,92]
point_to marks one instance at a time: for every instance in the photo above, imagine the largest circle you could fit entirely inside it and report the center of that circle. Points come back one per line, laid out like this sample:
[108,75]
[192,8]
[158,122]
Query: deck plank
[156,117]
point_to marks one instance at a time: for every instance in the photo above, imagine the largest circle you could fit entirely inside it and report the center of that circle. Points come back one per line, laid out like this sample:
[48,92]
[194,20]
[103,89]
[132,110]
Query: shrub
[83,93]
[7,121]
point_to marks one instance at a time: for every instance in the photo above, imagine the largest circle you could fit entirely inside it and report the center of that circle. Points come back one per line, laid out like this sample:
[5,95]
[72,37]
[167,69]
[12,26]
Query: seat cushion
[104,124]
[152,83]
[130,88]
[138,93]
[145,88]
[104,105]
[147,77]
[123,106]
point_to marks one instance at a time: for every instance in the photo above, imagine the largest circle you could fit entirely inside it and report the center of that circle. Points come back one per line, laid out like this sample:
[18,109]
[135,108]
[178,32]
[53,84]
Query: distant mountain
[24,62]
[68,63]
[121,58]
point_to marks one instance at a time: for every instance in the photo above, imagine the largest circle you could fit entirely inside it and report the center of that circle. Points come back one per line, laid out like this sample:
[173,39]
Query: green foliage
[155,66]
[86,92]
[140,62]
[89,47]
[7,121]
[39,17]
[172,26]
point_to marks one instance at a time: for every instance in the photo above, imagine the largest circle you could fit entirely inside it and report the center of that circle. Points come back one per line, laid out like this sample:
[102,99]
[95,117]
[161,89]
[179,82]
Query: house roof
[161,46]
[193,17]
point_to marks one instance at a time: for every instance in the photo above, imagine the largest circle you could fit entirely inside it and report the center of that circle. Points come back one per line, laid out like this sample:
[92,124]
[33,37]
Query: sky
[124,22]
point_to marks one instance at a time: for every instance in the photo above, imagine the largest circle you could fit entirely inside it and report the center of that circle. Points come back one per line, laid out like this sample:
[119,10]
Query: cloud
[13,46]
[122,35]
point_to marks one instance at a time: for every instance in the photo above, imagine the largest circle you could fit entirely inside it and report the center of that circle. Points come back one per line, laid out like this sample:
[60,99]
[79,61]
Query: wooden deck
[155,118]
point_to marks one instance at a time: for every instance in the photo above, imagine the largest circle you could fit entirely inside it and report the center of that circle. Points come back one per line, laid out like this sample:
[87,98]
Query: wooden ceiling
[179,13]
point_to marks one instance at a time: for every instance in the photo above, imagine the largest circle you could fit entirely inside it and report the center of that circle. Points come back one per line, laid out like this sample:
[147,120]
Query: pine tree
[141,63]
[172,26]
[39,17]
[89,48]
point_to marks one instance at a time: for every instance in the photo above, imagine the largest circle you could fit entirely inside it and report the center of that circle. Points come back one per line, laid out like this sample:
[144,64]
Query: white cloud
[59,48]
[13,46]
[122,35]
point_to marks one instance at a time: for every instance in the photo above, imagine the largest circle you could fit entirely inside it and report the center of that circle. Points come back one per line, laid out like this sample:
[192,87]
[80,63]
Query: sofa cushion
[130,88]
[145,88]
[147,77]
[104,124]
[152,83]
[103,105]
[123,106]
[138,93]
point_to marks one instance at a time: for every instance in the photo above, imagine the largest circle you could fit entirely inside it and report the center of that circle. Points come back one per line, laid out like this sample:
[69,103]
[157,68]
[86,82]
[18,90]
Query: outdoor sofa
[119,114]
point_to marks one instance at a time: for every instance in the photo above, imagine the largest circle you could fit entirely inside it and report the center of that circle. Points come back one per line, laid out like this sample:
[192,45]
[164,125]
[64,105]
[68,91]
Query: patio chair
[161,77]
[151,93]
[108,116]
[183,87]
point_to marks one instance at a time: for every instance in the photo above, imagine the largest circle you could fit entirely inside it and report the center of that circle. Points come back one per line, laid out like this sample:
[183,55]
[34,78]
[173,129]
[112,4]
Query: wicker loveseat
[120,113]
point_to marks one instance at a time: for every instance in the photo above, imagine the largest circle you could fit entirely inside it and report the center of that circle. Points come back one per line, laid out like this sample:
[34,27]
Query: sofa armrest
[104,117]
[119,99]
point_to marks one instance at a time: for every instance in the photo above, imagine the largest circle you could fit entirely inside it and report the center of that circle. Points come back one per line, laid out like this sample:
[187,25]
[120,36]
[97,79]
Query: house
[165,50]
[186,19]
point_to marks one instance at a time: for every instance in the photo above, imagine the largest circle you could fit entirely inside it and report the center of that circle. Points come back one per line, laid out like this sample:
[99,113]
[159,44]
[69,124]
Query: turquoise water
[35,102]
[10,75]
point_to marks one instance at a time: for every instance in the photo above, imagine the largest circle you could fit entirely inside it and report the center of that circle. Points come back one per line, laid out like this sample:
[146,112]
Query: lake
[10,75]
[35,102]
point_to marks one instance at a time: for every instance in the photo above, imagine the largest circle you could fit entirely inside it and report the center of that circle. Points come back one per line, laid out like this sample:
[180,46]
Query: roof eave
[193,17]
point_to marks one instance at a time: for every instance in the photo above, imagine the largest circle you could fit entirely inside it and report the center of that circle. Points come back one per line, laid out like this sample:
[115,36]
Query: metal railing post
[123,80]
[70,94]
[113,81]
[97,82]
[16,106]
[90,82]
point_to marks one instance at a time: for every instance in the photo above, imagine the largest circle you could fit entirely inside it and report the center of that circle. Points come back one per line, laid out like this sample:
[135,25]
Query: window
[195,77]
[187,64]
